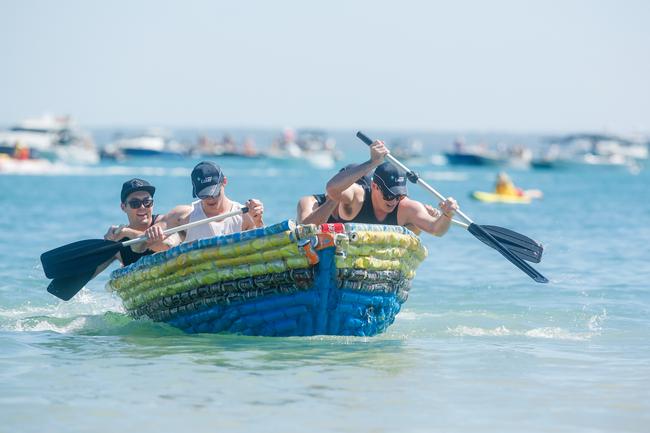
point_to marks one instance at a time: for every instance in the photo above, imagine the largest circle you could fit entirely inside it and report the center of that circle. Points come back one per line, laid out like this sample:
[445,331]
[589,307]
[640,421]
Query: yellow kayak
[490,197]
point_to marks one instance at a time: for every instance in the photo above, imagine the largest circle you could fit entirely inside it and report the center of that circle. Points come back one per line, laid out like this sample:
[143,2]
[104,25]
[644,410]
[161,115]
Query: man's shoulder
[408,207]
[409,203]
[180,212]
[182,208]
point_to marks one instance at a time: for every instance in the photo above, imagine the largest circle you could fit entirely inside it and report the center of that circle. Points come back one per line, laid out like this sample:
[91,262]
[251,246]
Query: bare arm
[351,202]
[176,217]
[344,179]
[115,233]
[309,212]
[426,218]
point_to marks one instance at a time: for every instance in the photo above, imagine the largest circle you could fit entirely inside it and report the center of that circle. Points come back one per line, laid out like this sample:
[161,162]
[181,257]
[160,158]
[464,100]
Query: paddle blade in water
[522,246]
[66,288]
[485,237]
[78,258]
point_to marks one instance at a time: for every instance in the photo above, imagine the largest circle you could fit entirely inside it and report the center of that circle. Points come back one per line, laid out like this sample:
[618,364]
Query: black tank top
[367,214]
[128,255]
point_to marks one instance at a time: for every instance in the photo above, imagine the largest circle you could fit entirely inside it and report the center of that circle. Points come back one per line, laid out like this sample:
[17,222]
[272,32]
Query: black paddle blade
[522,246]
[78,258]
[66,288]
[487,238]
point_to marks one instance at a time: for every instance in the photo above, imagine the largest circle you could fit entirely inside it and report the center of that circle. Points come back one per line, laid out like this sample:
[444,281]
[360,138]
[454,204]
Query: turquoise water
[477,347]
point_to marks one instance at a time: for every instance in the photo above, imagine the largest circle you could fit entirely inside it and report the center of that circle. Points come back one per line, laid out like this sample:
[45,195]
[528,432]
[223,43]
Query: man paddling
[137,203]
[321,209]
[208,185]
[386,201]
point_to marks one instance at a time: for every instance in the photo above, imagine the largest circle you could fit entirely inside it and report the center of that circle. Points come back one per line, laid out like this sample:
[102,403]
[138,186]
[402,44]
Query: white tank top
[213,228]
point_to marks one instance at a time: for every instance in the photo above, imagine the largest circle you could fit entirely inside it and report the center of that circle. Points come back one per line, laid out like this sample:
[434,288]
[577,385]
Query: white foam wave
[25,311]
[553,333]
[596,321]
[53,317]
[412,315]
[32,325]
[462,331]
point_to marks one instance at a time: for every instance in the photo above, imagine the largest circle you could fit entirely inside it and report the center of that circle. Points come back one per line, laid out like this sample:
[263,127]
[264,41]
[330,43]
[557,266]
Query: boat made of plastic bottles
[279,280]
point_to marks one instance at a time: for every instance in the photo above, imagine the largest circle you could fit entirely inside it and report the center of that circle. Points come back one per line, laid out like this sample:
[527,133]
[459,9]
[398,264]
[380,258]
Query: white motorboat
[153,142]
[313,146]
[593,149]
[56,138]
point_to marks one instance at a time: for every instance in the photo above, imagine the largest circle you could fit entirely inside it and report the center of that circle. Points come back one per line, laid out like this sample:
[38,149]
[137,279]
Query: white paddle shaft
[429,188]
[189,225]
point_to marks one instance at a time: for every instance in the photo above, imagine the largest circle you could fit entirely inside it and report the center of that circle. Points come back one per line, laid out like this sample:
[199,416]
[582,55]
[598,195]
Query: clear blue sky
[434,65]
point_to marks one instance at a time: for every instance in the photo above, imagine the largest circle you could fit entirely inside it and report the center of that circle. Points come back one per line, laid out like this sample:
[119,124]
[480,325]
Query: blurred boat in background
[556,152]
[463,154]
[154,142]
[312,145]
[409,151]
[592,149]
[226,147]
[55,138]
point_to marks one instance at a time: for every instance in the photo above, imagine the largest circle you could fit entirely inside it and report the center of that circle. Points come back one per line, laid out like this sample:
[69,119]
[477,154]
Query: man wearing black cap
[208,185]
[386,201]
[137,203]
[320,209]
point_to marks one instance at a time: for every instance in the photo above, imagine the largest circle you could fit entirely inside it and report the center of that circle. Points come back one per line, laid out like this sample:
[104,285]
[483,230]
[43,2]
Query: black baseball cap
[207,179]
[134,185]
[390,179]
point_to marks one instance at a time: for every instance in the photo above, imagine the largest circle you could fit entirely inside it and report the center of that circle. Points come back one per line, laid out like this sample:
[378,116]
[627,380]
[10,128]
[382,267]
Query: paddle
[478,231]
[72,266]
[521,246]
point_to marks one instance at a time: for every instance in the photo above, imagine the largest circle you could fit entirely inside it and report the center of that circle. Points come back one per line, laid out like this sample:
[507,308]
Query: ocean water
[478,347]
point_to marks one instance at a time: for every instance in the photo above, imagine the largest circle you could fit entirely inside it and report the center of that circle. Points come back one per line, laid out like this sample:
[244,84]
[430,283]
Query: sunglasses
[205,196]
[136,203]
[390,196]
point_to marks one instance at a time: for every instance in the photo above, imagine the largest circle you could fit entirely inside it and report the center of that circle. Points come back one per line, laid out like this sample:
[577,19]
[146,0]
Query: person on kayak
[505,186]
[208,185]
[386,201]
[137,203]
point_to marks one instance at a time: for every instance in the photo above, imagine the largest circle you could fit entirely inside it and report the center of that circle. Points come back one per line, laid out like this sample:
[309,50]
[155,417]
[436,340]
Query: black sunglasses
[390,196]
[136,203]
[213,196]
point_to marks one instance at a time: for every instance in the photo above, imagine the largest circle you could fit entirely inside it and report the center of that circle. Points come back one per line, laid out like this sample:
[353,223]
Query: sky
[542,66]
